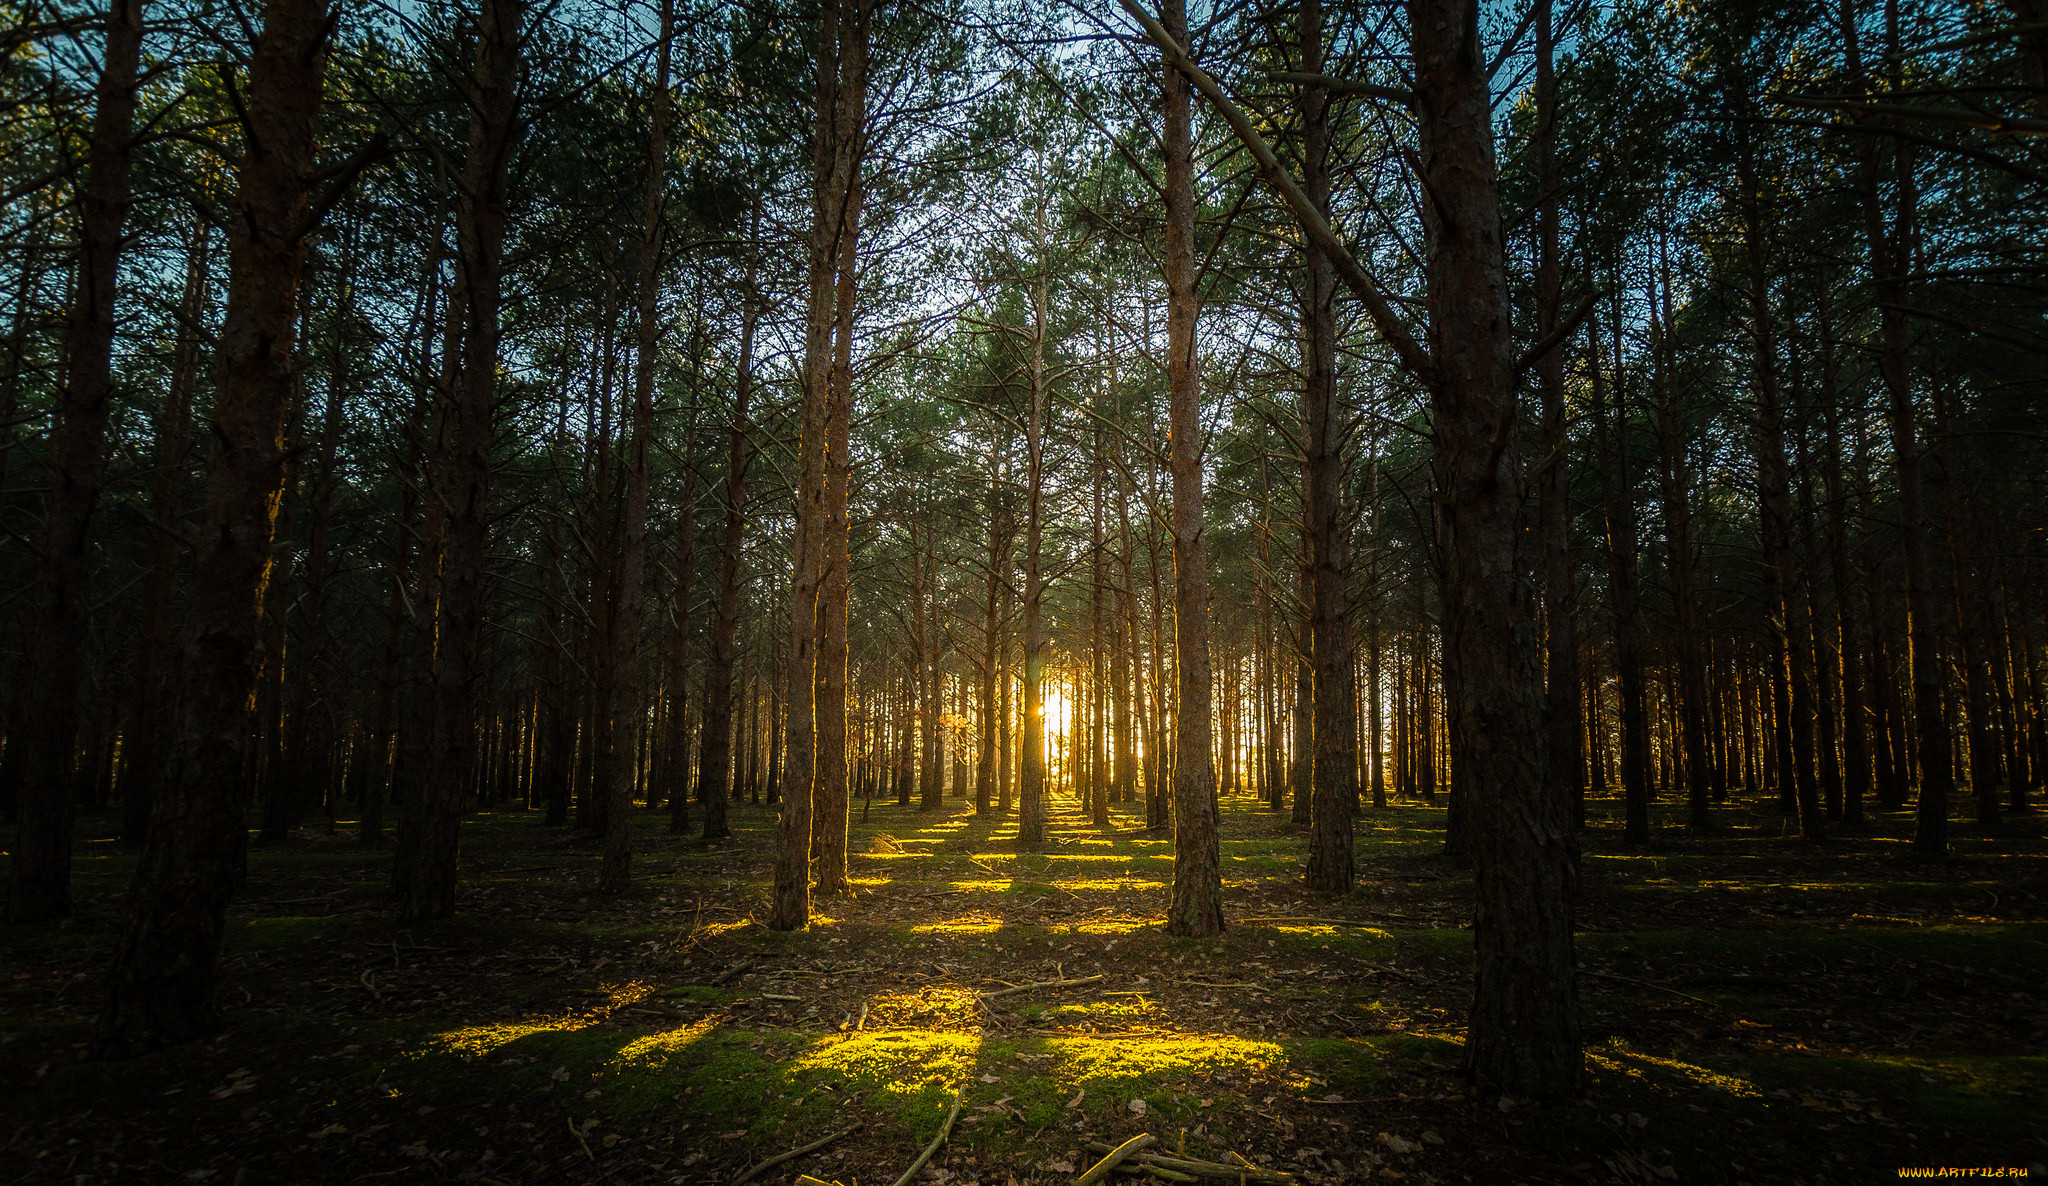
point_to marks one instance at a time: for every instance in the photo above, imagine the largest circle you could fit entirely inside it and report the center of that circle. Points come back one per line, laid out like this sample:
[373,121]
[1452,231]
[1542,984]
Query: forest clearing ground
[1755,1010]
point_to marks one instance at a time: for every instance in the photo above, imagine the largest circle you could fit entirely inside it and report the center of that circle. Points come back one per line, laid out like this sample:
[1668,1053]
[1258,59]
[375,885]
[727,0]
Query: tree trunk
[628,679]
[832,803]
[1031,761]
[1524,1036]
[160,990]
[1334,776]
[54,662]
[1562,708]
[1197,906]
[143,746]
[714,759]
[427,878]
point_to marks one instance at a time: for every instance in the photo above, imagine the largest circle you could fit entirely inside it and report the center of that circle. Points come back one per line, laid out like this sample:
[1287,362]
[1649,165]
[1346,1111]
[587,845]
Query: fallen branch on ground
[797,1152]
[959,1094]
[1203,1169]
[1004,992]
[1100,1169]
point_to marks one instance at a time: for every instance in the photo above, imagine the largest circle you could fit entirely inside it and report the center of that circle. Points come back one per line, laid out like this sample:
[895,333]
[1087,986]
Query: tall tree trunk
[1335,771]
[832,802]
[714,759]
[792,909]
[427,881]
[160,990]
[1791,663]
[628,680]
[1524,1035]
[1618,503]
[1197,906]
[143,746]
[1675,495]
[54,662]
[1562,709]
[1031,761]
[1927,654]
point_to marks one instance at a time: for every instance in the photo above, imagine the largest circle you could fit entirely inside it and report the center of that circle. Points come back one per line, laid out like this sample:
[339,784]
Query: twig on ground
[797,1152]
[733,971]
[578,1134]
[1004,992]
[1110,1160]
[959,1094]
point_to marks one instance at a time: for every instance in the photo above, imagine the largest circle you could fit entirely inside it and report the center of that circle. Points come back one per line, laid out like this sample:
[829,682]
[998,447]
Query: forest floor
[1755,1010]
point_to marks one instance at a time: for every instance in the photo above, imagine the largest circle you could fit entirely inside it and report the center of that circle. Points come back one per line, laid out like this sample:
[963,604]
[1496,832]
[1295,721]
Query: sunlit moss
[1110,1009]
[869,882]
[899,1064]
[1086,1060]
[977,923]
[659,1048]
[477,1041]
[935,1003]
[984,886]
[1113,926]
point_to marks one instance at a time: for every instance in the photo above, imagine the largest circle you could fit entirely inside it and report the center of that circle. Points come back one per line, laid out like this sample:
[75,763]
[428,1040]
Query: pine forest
[1010,592]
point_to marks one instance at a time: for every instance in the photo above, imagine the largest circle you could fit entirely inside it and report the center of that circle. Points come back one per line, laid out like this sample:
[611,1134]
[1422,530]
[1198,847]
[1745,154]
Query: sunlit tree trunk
[1197,906]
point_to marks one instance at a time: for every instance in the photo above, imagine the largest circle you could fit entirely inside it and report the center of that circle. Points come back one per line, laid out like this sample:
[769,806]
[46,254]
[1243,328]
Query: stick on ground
[799,1151]
[959,1094]
[1100,1169]
[1004,992]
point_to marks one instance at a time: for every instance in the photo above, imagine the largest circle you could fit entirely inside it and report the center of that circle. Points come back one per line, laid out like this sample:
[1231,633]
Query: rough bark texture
[792,909]
[426,880]
[1197,906]
[833,803]
[1524,1035]
[1334,779]
[53,666]
[160,990]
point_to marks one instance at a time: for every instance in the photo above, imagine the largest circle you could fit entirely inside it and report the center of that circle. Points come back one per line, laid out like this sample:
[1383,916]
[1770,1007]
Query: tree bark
[1562,709]
[626,661]
[160,990]
[714,760]
[1197,905]
[53,664]
[427,880]
[1524,1036]
[832,802]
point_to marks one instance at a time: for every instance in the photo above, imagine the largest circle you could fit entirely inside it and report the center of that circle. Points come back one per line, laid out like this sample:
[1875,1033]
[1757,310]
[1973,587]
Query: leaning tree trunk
[427,880]
[1197,906]
[160,990]
[39,877]
[628,677]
